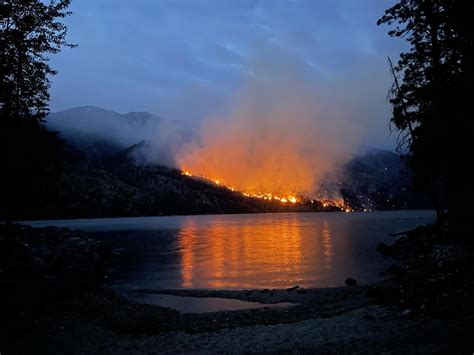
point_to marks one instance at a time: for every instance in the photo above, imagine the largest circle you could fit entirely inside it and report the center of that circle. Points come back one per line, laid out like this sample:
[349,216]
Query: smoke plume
[281,134]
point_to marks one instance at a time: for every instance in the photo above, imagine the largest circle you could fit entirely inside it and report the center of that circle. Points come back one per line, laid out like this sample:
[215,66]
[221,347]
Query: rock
[301,291]
[351,282]
[407,312]
[292,288]
[411,314]
[47,255]
[382,273]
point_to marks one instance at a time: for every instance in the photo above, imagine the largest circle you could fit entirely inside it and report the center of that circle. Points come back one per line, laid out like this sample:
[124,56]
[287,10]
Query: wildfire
[337,203]
[261,195]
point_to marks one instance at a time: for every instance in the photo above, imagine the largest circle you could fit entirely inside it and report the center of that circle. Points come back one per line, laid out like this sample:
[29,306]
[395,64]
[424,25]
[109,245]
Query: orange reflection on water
[327,244]
[269,252]
[186,238]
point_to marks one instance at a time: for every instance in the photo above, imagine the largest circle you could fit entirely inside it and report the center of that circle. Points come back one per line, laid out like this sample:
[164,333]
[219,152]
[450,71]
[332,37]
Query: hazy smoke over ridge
[280,135]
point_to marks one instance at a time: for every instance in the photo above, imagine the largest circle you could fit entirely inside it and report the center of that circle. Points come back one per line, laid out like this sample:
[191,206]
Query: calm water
[248,251]
[200,304]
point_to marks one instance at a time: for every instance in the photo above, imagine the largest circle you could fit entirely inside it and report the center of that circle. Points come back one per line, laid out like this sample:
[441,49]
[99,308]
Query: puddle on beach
[186,304]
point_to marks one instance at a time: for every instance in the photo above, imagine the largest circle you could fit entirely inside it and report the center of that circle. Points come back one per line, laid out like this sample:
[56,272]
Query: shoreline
[97,319]
[51,221]
[102,322]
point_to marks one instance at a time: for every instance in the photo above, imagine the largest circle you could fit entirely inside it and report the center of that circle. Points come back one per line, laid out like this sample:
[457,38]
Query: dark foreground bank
[54,302]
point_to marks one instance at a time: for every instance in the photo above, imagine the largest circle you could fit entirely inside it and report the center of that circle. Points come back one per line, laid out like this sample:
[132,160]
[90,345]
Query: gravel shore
[93,319]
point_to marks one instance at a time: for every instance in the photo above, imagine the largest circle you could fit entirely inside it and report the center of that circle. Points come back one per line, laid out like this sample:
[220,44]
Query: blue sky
[184,59]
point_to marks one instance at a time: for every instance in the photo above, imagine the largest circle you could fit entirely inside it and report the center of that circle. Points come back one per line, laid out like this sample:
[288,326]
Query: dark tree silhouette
[436,78]
[30,31]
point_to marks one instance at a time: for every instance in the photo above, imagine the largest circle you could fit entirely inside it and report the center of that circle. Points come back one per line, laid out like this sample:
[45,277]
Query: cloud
[184,58]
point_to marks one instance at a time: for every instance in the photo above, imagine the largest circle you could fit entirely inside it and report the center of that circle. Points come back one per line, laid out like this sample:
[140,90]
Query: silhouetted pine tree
[30,31]
[435,89]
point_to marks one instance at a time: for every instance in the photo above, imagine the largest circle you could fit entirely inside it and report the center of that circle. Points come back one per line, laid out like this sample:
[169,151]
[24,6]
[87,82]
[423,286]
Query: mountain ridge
[112,177]
[99,132]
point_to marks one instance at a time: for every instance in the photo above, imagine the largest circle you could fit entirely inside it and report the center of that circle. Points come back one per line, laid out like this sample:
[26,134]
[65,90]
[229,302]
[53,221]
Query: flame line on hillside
[262,195]
[269,196]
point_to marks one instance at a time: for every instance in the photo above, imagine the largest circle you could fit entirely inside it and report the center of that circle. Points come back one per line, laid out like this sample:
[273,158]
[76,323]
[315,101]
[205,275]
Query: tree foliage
[30,31]
[436,76]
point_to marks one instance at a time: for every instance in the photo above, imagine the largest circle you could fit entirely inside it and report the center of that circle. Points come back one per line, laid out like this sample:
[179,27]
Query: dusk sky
[187,59]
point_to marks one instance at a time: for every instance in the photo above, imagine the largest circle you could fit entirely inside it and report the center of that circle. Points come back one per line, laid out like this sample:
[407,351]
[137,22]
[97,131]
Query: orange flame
[337,203]
[265,196]
[276,139]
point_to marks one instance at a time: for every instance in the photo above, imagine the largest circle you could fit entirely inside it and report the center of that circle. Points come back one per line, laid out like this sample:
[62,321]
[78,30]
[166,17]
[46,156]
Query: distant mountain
[119,186]
[121,165]
[379,179]
[98,132]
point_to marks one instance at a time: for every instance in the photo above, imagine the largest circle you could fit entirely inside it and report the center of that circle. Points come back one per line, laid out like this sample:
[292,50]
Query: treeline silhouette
[31,156]
[431,97]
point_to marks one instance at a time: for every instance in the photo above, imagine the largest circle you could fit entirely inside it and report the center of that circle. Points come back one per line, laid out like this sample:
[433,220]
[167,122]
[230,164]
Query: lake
[247,250]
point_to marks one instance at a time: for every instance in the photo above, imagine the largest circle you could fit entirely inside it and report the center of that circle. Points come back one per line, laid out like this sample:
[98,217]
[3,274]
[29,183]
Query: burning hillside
[262,195]
[276,142]
[326,204]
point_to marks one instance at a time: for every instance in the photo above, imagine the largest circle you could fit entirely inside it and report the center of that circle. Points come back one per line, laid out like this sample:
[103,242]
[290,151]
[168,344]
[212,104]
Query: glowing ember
[269,196]
[265,196]
[339,203]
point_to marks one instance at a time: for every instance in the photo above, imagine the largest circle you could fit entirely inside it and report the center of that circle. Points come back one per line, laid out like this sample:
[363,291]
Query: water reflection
[327,244]
[186,239]
[270,250]
[250,251]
